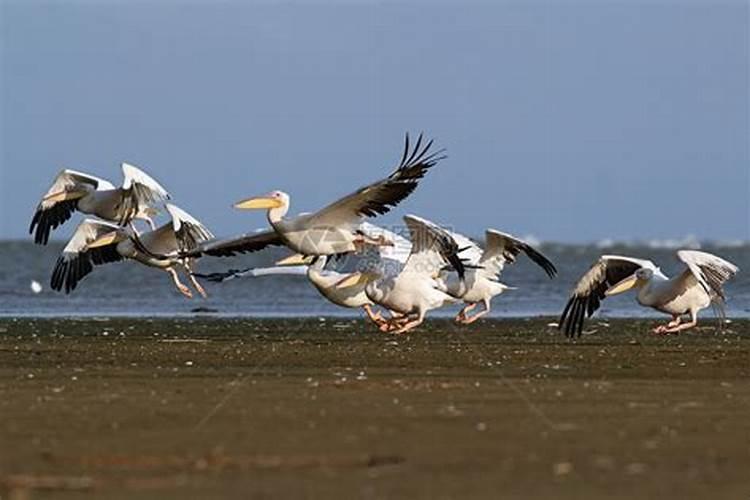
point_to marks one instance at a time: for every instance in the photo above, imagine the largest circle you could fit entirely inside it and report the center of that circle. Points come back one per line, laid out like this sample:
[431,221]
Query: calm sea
[127,288]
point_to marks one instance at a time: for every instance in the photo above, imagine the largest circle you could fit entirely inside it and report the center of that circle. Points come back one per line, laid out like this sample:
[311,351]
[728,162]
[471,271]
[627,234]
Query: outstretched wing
[432,248]
[502,249]
[379,197]
[709,270]
[469,250]
[590,289]
[188,230]
[77,260]
[245,243]
[140,190]
[61,200]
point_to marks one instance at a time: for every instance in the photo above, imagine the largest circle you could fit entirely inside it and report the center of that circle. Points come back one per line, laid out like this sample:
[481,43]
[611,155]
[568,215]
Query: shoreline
[230,408]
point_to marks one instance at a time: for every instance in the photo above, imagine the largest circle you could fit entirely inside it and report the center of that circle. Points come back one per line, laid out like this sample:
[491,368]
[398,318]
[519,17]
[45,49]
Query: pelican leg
[362,241]
[461,316]
[684,326]
[189,270]
[411,324]
[394,323]
[471,319]
[182,288]
[661,329]
[374,316]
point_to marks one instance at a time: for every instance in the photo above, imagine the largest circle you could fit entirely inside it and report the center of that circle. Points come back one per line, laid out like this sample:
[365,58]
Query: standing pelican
[91,195]
[335,228]
[417,288]
[697,287]
[483,268]
[96,242]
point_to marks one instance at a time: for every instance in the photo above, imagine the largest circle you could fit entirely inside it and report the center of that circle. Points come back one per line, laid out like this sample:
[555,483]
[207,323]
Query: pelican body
[416,288]
[97,242]
[483,270]
[699,286]
[72,190]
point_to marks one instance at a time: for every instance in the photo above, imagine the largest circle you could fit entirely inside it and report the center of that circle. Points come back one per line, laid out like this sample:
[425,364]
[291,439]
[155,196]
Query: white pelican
[325,280]
[322,279]
[334,229]
[483,268]
[697,287]
[91,195]
[96,242]
[417,288]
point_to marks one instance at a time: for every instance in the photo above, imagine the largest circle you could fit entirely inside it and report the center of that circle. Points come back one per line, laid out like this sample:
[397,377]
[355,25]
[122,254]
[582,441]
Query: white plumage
[696,288]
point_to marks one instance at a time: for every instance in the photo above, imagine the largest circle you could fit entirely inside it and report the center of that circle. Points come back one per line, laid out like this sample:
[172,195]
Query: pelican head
[637,279]
[274,199]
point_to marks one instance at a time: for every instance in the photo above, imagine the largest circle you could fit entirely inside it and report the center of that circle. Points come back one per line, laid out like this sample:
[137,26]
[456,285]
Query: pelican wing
[379,197]
[469,250]
[139,191]
[710,271]
[502,249]
[590,289]
[245,243]
[77,260]
[61,200]
[189,231]
[432,249]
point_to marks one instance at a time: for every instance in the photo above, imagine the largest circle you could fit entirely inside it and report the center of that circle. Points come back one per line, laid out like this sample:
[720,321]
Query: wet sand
[238,408]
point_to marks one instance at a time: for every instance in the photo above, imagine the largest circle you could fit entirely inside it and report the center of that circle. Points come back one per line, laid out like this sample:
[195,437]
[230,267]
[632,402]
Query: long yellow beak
[103,241]
[257,203]
[622,286]
[295,260]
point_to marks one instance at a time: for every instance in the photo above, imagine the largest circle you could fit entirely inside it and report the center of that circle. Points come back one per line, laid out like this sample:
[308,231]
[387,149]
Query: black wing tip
[572,317]
[417,157]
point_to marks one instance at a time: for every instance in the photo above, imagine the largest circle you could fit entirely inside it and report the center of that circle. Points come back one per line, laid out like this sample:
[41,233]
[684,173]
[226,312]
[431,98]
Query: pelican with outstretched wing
[416,288]
[335,228]
[696,288]
[483,268]
[97,242]
[91,195]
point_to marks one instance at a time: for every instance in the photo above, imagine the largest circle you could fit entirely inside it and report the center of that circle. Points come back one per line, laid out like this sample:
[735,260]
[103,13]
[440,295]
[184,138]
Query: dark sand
[215,408]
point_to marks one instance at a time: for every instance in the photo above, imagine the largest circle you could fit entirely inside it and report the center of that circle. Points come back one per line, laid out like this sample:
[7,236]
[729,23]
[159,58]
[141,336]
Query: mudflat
[330,408]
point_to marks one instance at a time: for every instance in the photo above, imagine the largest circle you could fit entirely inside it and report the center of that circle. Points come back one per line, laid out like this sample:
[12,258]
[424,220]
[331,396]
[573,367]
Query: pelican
[91,195]
[417,287]
[483,268]
[96,242]
[696,288]
[333,229]
[325,281]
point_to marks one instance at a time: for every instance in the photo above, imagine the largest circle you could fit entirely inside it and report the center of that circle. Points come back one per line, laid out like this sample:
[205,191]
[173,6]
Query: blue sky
[572,121]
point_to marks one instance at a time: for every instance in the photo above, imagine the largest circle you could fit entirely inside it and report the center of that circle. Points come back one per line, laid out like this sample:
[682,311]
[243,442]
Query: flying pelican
[483,268]
[697,287]
[91,195]
[324,280]
[416,288]
[335,228]
[96,242]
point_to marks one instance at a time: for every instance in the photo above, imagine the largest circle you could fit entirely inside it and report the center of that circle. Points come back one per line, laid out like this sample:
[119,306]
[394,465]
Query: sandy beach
[329,408]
